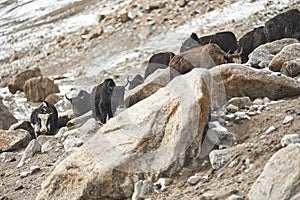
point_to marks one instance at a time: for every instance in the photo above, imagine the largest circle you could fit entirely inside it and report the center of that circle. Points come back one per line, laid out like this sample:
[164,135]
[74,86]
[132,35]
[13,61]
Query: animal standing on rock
[158,61]
[101,100]
[81,104]
[44,119]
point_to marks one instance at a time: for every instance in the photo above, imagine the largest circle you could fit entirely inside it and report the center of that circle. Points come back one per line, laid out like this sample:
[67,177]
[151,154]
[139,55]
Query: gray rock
[287,119]
[7,156]
[232,108]
[32,148]
[34,169]
[193,180]
[255,83]
[290,139]
[291,68]
[71,142]
[258,101]
[235,197]
[151,136]
[13,140]
[280,176]
[6,118]
[271,129]
[24,174]
[79,121]
[160,78]
[218,158]
[240,102]
[141,189]
[262,55]
[288,53]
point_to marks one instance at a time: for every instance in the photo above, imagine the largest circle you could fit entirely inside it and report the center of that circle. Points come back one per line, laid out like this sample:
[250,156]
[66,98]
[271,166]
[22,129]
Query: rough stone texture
[280,179]
[159,134]
[160,78]
[240,102]
[141,189]
[13,140]
[6,118]
[218,158]
[242,81]
[37,89]
[288,53]
[284,25]
[32,148]
[291,68]
[17,82]
[290,139]
[262,55]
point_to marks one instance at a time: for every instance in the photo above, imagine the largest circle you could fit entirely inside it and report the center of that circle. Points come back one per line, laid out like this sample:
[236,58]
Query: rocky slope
[119,44]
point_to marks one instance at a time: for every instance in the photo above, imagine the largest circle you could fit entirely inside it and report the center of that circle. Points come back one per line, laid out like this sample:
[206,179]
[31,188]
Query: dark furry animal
[190,43]
[81,104]
[117,98]
[206,56]
[44,119]
[101,99]
[62,121]
[226,40]
[158,61]
[137,80]
[250,41]
[25,125]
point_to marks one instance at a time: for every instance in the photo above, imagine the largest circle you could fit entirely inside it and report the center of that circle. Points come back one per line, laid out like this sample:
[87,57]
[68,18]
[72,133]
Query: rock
[7,156]
[193,180]
[47,142]
[158,134]
[13,140]
[72,142]
[52,98]
[280,176]
[79,121]
[284,25]
[6,118]
[123,17]
[263,54]
[232,108]
[37,89]
[242,81]
[271,129]
[182,3]
[287,119]
[155,5]
[291,68]
[17,82]
[240,102]
[141,189]
[290,139]
[24,174]
[160,78]
[250,41]
[258,101]
[288,53]
[235,197]
[100,17]
[32,148]
[218,158]
[34,169]
[163,183]
[241,115]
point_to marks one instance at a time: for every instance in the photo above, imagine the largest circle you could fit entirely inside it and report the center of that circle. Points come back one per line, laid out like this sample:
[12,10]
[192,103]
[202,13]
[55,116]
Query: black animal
[137,80]
[250,41]
[81,104]
[117,98]
[62,121]
[44,119]
[158,61]
[25,125]
[190,43]
[101,99]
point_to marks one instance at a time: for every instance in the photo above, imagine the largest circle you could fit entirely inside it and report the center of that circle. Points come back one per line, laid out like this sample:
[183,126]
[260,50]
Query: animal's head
[81,103]
[109,84]
[43,115]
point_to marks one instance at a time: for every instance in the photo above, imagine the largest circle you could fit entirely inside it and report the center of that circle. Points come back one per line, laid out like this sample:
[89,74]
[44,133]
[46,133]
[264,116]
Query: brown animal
[207,56]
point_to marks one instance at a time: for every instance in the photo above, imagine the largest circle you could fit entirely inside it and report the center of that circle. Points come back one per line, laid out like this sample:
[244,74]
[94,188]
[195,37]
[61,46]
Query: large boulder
[291,68]
[17,82]
[160,78]
[280,179]
[240,81]
[6,118]
[13,140]
[37,89]
[284,25]
[262,55]
[250,41]
[288,53]
[158,136]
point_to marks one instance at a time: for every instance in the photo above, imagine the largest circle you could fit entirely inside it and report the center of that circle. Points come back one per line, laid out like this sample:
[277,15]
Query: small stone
[193,180]
[232,108]
[241,115]
[266,100]
[218,158]
[24,174]
[287,119]
[290,139]
[34,169]
[258,101]
[271,129]
[182,3]
[235,197]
